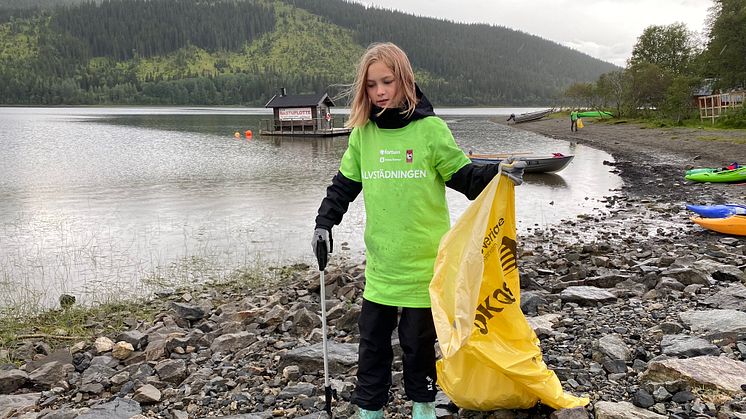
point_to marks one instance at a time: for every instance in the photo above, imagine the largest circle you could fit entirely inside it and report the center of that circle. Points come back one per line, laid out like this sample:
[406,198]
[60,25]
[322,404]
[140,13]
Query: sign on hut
[302,115]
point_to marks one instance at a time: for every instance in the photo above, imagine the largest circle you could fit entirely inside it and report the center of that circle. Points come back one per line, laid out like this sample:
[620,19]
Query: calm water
[102,202]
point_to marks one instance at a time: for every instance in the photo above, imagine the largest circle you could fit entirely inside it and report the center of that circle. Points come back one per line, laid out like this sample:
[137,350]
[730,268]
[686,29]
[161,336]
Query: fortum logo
[501,296]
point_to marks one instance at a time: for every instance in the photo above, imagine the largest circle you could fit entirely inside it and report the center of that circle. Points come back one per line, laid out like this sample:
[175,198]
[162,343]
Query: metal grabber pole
[322,257]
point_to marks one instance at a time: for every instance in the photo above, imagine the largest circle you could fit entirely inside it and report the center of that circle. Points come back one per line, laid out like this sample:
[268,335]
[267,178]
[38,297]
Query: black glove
[322,245]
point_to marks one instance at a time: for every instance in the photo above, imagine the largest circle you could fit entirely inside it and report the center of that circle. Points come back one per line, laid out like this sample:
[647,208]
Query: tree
[678,104]
[581,94]
[611,88]
[726,49]
[672,48]
[647,87]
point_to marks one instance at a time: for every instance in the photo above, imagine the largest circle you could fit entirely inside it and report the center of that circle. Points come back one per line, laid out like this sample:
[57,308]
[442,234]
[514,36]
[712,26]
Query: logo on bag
[508,255]
[489,242]
[502,296]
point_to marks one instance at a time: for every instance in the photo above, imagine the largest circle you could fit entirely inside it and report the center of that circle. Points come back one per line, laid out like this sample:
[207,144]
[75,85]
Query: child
[573,120]
[403,156]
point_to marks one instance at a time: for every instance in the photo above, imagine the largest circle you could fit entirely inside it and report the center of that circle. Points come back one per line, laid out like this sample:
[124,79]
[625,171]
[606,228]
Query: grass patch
[64,327]
[722,139]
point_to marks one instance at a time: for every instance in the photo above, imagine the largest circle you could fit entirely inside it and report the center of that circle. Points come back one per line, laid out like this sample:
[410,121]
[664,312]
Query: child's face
[381,86]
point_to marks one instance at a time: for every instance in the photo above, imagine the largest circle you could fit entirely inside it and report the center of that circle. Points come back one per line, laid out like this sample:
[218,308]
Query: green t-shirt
[403,172]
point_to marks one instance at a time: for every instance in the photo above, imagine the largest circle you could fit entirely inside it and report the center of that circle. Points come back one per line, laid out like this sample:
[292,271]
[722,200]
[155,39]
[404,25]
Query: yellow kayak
[735,224]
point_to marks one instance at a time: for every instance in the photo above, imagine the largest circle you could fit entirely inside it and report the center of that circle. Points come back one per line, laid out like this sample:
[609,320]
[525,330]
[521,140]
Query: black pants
[573,125]
[375,355]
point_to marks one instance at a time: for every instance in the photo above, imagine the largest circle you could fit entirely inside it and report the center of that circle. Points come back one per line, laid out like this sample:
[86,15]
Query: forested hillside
[477,63]
[238,52]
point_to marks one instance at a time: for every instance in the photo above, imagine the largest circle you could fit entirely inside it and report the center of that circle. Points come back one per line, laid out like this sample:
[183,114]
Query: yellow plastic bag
[580,123]
[491,356]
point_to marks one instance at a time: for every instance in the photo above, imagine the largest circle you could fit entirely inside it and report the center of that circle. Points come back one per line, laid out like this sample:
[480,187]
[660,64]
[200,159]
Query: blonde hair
[395,59]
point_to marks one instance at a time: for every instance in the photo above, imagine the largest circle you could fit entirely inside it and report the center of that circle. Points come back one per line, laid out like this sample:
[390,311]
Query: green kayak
[595,114]
[722,176]
[731,166]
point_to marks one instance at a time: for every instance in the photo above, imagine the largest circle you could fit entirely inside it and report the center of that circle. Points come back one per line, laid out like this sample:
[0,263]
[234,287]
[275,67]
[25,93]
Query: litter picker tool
[322,255]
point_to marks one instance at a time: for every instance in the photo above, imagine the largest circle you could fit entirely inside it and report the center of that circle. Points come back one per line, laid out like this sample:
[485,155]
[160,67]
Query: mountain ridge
[309,46]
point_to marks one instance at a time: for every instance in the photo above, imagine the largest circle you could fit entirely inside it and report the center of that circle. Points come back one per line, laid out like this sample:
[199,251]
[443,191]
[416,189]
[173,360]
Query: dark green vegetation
[669,64]
[239,52]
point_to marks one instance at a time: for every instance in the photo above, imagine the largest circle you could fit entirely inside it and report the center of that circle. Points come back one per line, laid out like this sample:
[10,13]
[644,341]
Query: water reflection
[100,198]
[553,180]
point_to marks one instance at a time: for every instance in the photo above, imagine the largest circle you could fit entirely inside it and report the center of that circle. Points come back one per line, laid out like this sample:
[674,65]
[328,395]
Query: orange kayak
[735,224]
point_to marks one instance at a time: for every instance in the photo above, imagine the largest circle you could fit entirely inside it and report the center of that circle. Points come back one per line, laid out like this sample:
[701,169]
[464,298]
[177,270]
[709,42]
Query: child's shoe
[423,410]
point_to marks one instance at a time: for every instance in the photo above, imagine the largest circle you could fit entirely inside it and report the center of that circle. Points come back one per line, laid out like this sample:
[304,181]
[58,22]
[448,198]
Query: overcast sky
[605,29]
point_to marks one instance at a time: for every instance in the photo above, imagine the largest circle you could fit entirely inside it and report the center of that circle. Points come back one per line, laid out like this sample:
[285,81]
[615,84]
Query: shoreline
[253,352]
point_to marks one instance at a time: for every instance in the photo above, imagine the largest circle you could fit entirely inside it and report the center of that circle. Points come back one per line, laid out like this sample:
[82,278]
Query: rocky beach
[637,308]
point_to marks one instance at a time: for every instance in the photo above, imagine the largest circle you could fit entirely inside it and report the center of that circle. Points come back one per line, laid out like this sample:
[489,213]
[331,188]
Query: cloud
[605,29]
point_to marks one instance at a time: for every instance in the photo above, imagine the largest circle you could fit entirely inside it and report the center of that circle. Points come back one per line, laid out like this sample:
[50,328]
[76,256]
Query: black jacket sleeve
[339,194]
[471,179]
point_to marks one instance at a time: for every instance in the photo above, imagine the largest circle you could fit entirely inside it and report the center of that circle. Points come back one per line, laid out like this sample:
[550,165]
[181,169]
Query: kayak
[595,114]
[717,211]
[711,169]
[700,170]
[723,176]
[735,224]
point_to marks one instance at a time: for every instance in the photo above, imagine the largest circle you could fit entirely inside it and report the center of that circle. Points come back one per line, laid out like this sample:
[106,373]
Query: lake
[114,202]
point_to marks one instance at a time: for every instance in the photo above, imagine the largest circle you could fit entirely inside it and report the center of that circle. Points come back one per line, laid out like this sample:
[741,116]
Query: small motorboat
[717,211]
[534,164]
[530,116]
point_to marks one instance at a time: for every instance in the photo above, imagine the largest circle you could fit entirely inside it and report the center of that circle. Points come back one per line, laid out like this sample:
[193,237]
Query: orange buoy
[248,134]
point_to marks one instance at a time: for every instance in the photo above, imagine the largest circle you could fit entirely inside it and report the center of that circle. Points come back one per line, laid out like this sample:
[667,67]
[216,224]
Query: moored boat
[530,116]
[534,164]
[717,211]
[735,224]
[719,176]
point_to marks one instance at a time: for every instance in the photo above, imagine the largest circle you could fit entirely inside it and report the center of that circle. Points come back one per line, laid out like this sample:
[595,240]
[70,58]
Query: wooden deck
[711,107]
[328,132]
[305,128]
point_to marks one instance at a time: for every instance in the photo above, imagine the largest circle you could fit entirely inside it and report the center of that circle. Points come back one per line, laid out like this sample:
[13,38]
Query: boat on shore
[595,114]
[719,176]
[717,211]
[530,116]
[534,164]
[734,225]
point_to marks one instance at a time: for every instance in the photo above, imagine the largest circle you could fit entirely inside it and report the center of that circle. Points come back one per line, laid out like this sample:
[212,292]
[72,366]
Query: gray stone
[188,311]
[733,297]
[172,370]
[49,375]
[233,342]
[718,373]
[305,389]
[136,338]
[688,276]
[147,394]
[310,358]
[12,380]
[116,409]
[623,410]
[687,346]
[11,405]
[716,324]
[613,347]
[587,295]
